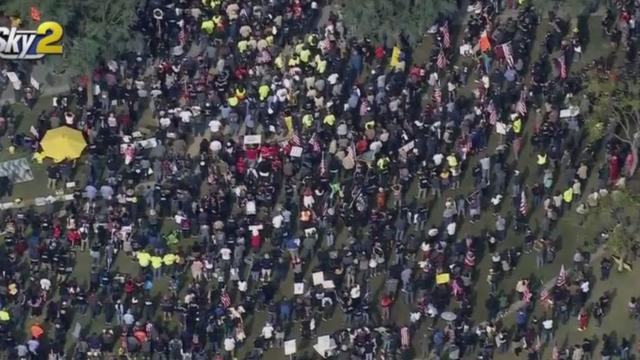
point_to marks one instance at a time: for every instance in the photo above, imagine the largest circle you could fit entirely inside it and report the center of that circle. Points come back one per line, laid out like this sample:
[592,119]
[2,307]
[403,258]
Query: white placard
[318,278]
[296,151]
[70,185]
[252,139]
[7,205]
[35,83]
[408,147]
[13,77]
[466,50]
[501,128]
[145,144]
[324,342]
[310,231]
[290,347]
[570,112]
[328,284]
[298,288]
[256,227]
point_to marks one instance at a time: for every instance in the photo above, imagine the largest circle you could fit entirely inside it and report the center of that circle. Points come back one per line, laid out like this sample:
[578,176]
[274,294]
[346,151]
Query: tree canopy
[616,112]
[92,29]
[615,216]
[384,19]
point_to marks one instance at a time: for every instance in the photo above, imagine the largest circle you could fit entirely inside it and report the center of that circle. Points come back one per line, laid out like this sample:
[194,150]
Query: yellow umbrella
[63,143]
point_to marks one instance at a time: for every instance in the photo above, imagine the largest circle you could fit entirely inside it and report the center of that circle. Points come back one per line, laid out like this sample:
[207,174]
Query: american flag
[446,37]
[561,280]
[351,152]
[521,106]
[526,294]
[405,337]
[225,299]
[323,166]
[562,66]
[508,53]
[545,295]
[493,113]
[441,62]
[182,36]
[315,144]
[295,139]
[524,207]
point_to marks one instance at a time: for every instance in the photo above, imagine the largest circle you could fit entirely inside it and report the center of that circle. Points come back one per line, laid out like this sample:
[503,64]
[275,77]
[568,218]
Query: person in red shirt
[256,240]
[74,237]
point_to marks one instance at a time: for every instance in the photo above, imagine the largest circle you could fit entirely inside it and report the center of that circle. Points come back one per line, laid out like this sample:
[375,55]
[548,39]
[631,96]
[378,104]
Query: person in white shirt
[185,115]
[437,159]
[547,330]
[214,126]
[229,345]
[225,254]
[267,333]
[277,221]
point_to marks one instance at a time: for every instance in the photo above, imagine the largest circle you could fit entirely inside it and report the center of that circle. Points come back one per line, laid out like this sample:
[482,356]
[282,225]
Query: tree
[384,19]
[616,113]
[615,218]
[93,30]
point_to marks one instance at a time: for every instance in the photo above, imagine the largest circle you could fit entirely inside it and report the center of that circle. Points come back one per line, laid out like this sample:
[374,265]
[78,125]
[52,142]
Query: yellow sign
[443,278]
[395,57]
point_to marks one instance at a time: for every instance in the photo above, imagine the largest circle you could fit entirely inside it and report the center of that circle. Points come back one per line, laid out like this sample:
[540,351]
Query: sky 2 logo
[30,44]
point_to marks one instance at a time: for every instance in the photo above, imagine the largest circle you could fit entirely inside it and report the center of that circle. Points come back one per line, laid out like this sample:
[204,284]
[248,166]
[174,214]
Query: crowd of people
[289,167]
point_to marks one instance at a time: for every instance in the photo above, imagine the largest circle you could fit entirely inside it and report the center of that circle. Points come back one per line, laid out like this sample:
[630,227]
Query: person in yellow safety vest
[312,40]
[242,46]
[294,61]
[144,259]
[208,26]
[4,315]
[307,120]
[321,65]
[452,161]
[169,259]
[329,120]
[567,195]
[383,163]
[288,122]
[232,101]
[542,159]
[217,19]
[370,125]
[263,91]
[279,62]
[517,126]
[241,93]
[156,264]
[542,162]
[305,55]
